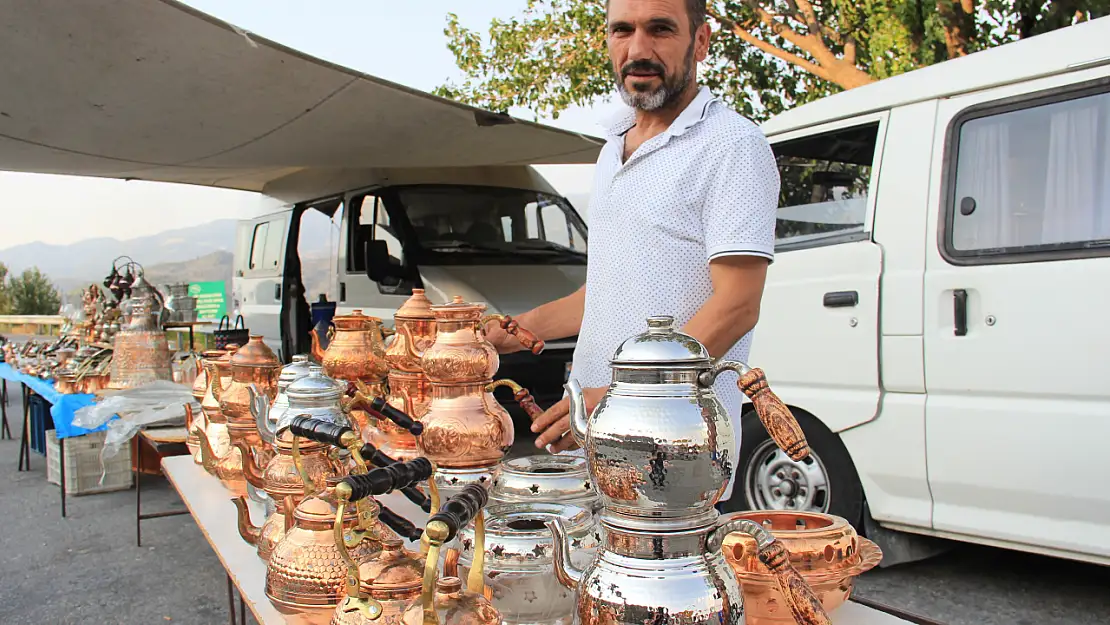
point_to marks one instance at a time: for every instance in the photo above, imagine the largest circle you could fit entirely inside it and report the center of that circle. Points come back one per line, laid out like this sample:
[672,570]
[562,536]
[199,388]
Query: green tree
[5,300]
[765,56]
[32,293]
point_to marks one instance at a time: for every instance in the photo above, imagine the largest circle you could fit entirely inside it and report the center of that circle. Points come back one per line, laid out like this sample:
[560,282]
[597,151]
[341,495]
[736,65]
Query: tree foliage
[5,300]
[32,293]
[765,56]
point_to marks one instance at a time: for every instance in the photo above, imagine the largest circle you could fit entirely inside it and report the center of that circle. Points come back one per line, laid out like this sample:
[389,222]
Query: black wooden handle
[317,430]
[372,454]
[461,509]
[382,407]
[387,479]
[400,525]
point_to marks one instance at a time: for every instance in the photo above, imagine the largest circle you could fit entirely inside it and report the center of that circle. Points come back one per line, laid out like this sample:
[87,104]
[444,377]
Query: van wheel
[767,479]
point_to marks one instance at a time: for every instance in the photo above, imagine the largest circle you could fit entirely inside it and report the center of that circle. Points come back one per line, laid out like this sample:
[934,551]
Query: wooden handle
[528,403]
[776,417]
[530,341]
[804,605]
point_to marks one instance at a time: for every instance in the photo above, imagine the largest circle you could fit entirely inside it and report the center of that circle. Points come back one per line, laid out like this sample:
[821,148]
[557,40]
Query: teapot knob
[660,324]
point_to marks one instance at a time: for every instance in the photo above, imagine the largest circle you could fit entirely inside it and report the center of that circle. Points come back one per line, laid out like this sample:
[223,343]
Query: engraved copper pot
[460,353]
[415,325]
[253,364]
[141,354]
[222,460]
[356,351]
[453,606]
[306,575]
[394,577]
[200,389]
[411,394]
[823,548]
[284,482]
[409,389]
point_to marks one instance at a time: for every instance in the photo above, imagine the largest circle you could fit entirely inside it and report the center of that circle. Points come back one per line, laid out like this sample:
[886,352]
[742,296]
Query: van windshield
[473,225]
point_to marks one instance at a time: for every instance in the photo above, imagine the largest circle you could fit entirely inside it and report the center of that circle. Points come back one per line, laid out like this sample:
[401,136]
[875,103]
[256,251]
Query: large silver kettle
[660,443]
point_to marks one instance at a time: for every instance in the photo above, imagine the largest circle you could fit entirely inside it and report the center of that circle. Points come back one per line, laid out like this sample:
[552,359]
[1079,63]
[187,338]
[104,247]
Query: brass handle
[356,600]
[521,395]
[773,413]
[530,341]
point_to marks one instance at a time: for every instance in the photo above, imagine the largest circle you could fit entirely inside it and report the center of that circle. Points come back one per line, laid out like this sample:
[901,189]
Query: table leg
[24,437]
[190,338]
[62,471]
[4,429]
[139,493]
[230,602]
[242,610]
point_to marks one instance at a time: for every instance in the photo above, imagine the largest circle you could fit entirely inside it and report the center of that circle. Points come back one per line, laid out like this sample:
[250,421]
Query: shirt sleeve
[738,217]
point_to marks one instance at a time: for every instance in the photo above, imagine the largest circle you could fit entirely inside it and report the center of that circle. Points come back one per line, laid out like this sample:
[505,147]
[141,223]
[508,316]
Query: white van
[498,235]
[937,313]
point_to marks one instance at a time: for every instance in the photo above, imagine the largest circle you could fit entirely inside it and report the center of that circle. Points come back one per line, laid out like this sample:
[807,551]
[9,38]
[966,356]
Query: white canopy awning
[154,90]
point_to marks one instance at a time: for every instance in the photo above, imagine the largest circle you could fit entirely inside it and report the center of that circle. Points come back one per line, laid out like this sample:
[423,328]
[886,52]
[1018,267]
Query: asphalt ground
[85,569]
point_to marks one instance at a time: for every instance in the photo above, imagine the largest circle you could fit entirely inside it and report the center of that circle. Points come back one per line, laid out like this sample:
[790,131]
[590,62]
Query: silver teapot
[660,444]
[314,395]
[268,415]
[659,448]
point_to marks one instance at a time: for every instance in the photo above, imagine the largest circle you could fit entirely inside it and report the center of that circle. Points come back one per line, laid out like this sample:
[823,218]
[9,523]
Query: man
[682,216]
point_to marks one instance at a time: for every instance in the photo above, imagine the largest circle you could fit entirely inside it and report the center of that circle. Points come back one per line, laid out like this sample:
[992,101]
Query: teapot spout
[317,351]
[578,415]
[565,571]
[260,409]
[247,530]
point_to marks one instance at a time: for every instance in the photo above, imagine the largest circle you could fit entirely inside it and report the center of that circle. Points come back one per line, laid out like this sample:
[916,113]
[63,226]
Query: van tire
[844,491]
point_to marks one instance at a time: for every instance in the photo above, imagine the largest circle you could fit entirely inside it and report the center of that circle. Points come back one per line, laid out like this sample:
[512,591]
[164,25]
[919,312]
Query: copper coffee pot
[253,364]
[466,432]
[284,480]
[409,389]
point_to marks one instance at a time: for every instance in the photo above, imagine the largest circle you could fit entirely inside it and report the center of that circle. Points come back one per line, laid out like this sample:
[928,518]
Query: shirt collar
[623,121]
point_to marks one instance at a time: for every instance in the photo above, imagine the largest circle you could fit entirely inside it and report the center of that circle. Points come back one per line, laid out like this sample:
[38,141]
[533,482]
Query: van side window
[361,230]
[824,184]
[266,246]
[1031,177]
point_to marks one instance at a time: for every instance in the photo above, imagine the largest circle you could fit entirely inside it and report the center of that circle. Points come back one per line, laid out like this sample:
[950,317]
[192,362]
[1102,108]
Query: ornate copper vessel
[415,325]
[356,350]
[394,578]
[200,390]
[220,458]
[409,389]
[252,364]
[466,432]
[824,549]
[141,354]
[306,574]
[284,481]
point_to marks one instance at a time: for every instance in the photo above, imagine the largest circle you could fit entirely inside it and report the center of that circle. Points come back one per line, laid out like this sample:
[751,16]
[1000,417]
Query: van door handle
[959,303]
[277,291]
[841,299]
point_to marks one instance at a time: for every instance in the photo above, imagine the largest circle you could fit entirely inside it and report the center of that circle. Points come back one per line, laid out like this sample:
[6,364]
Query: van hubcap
[772,481]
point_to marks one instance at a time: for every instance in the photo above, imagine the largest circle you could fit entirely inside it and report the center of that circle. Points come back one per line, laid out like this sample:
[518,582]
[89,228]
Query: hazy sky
[399,41]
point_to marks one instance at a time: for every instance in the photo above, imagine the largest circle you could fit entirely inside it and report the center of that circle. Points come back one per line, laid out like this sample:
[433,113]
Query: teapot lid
[395,569]
[255,353]
[314,386]
[294,371]
[416,307]
[661,345]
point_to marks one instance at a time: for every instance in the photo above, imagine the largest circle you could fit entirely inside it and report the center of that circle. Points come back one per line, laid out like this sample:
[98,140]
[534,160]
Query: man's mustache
[642,65]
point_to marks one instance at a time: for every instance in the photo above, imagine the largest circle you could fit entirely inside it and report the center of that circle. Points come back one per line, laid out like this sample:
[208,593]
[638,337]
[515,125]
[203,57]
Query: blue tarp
[62,406]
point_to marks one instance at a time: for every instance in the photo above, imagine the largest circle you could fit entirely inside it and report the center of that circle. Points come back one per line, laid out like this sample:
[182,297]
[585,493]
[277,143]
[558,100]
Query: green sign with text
[211,300]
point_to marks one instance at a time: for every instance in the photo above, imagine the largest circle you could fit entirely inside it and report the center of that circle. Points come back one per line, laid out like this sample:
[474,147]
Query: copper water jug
[460,353]
[394,578]
[284,481]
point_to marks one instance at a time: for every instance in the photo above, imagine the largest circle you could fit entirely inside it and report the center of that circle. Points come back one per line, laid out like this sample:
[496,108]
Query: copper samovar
[660,448]
[215,446]
[253,364]
[356,354]
[196,422]
[466,432]
[141,354]
[409,389]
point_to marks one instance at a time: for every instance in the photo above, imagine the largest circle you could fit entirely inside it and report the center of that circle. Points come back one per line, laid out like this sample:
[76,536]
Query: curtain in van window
[984,175]
[1077,184]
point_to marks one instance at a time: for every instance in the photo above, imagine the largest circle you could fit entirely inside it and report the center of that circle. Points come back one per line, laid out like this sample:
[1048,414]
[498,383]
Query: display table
[165,442]
[210,504]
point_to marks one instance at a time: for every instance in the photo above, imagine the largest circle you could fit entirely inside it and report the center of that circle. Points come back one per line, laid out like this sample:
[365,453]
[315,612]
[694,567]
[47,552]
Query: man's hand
[555,422]
[501,340]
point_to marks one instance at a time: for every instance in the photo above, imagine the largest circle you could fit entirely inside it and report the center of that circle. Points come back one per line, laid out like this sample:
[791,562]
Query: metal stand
[5,431]
[62,471]
[25,436]
[231,605]
[139,516]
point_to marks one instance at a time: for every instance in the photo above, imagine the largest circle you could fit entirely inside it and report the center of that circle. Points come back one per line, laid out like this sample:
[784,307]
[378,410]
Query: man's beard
[674,85]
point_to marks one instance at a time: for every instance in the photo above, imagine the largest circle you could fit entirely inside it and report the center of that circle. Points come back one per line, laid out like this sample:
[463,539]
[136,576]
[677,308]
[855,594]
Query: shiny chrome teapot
[660,445]
[267,415]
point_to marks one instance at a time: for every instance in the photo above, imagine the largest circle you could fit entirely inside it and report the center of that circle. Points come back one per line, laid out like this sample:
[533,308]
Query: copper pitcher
[824,549]
[460,353]
[306,574]
[356,350]
[284,481]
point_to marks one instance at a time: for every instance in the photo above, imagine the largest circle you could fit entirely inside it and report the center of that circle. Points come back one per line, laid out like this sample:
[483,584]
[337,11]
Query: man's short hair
[694,8]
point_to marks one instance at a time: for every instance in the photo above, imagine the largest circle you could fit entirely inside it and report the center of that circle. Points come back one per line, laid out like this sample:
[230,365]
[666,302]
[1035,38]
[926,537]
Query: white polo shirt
[706,187]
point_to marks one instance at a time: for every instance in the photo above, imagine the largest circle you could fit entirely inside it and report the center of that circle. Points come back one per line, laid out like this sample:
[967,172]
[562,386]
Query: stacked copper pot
[409,389]
[356,355]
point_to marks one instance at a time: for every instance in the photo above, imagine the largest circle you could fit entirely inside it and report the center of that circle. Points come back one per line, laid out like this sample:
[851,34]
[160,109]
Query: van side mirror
[379,264]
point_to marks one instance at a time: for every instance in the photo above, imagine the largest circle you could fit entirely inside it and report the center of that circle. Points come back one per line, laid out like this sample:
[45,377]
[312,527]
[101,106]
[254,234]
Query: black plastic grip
[399,524]
[382,407]
[417,498]
[317,430]
[371,454]
[461,509]
[387,479]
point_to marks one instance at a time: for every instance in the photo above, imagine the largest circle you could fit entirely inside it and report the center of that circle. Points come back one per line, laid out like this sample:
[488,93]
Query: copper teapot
[198,422]
[253,364]
[460,353]
[218,456]
[355,351]
[409,389]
